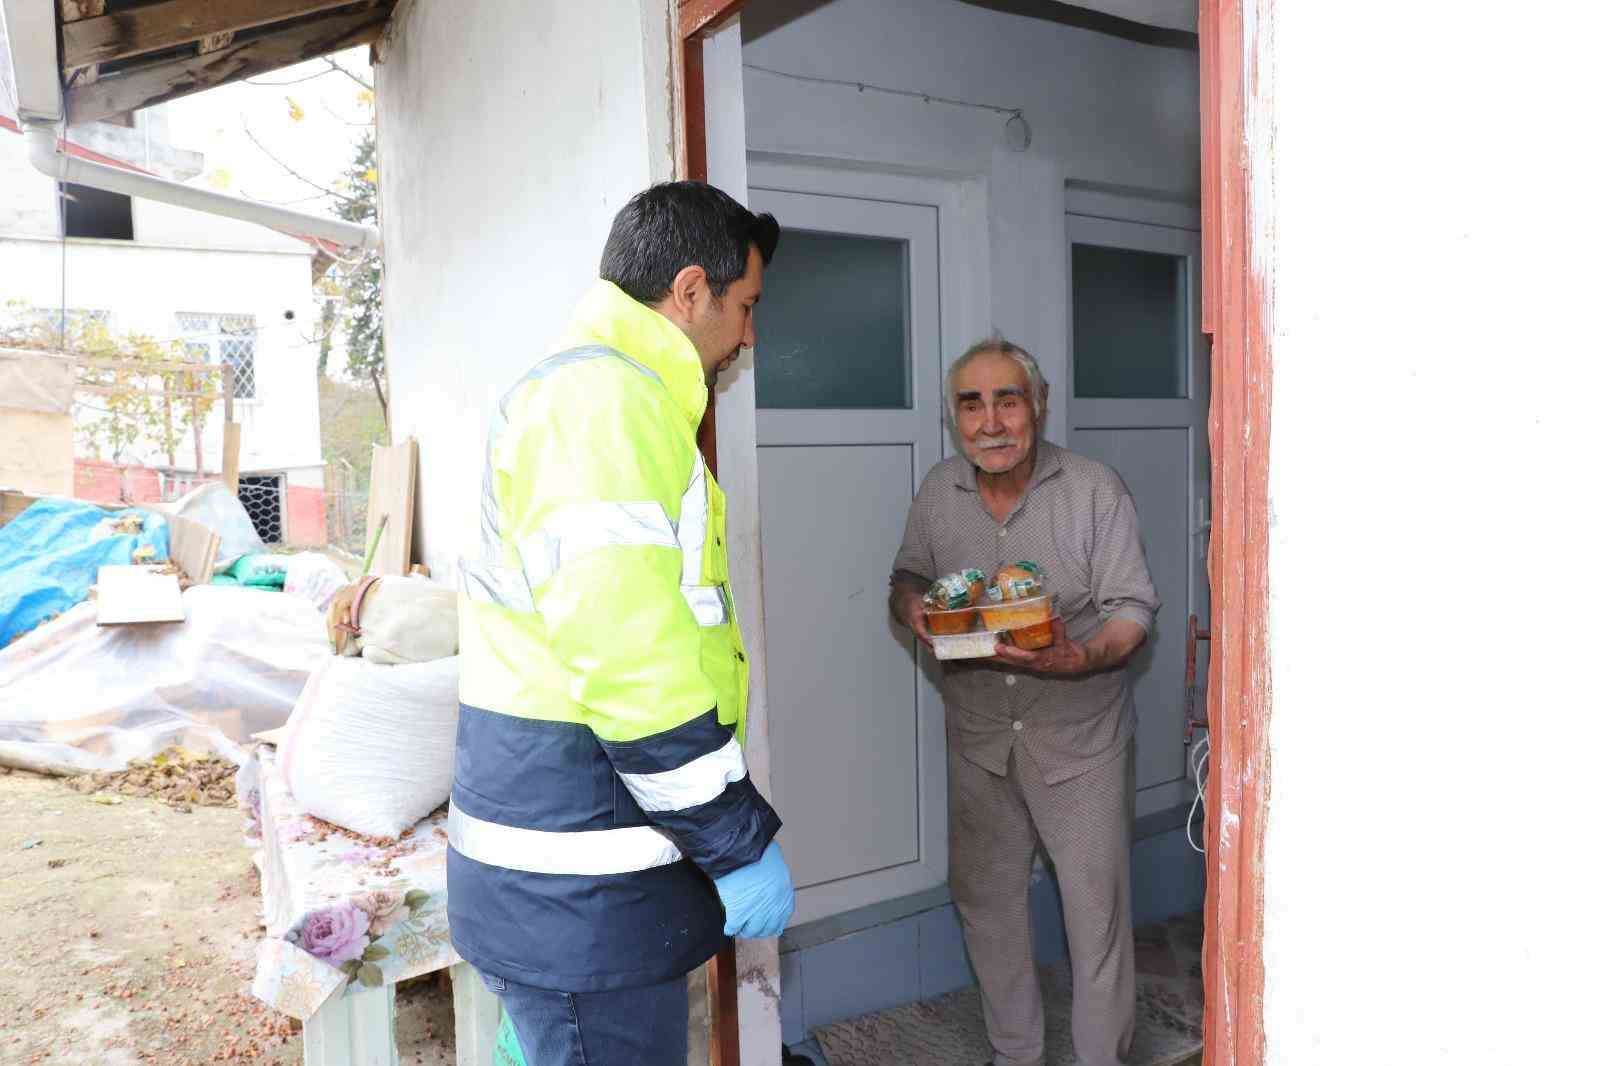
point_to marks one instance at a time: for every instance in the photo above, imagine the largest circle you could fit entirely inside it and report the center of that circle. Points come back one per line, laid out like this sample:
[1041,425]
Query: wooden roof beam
[103,38]
[133,89]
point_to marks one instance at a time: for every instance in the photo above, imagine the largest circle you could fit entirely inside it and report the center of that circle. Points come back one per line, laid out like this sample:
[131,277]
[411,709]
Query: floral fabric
[340,910]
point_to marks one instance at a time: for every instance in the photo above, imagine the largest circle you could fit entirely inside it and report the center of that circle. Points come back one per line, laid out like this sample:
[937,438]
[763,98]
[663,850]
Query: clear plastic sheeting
[75,696]
[213,505]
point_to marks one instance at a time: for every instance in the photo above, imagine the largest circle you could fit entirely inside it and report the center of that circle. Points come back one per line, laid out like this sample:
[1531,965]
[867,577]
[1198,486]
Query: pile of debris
[176,776]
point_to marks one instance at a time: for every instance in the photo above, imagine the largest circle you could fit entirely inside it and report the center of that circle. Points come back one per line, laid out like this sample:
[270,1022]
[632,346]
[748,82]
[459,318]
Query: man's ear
[688,293]
[1044,400]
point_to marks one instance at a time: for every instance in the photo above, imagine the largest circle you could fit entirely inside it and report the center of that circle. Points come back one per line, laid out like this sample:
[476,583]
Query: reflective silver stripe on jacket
[695,782]
[595,852]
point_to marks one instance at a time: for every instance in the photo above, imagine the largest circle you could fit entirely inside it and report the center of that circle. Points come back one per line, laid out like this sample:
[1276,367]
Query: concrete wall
[1102,110]
[507,138]
[1432,567]
[144,287]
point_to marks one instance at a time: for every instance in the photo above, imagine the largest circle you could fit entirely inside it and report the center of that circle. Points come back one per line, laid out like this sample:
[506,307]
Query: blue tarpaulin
[51,553]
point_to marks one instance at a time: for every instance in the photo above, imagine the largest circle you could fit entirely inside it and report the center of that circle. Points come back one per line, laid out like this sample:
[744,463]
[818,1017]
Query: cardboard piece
[13,504]
[392,496]
[130,595]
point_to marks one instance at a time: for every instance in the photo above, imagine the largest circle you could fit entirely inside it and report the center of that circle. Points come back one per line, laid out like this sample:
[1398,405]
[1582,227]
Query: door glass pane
[831,328]
[1129,323]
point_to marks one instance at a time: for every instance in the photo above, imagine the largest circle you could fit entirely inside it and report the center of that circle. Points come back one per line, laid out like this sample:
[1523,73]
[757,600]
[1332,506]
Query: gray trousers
[1085,825]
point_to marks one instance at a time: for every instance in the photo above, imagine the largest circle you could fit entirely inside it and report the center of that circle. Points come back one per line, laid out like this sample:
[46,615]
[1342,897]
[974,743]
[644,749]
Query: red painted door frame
[1237,314]
[1237,310]
[696,18]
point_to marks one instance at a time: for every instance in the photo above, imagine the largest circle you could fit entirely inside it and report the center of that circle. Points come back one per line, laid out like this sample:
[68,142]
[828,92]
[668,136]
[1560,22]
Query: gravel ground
[129,933]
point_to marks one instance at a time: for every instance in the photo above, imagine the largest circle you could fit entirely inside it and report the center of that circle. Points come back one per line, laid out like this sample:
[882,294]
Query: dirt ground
[127,938]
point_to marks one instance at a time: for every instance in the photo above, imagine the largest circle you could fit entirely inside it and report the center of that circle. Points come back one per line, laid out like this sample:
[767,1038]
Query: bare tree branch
[347,72]
[291,170]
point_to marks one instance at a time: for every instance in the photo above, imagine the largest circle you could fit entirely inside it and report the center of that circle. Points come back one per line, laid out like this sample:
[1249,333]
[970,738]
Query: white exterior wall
[508,138]
[1432,547]
[144,287]
[1102,110]
[180,260]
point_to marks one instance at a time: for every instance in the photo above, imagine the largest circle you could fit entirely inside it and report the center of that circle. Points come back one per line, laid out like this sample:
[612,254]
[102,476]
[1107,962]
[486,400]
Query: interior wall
[1432,561]
[1102,110]
[489,237]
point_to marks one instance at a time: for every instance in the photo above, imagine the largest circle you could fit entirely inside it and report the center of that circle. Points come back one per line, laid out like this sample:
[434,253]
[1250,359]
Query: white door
[848,421]
[1137,394]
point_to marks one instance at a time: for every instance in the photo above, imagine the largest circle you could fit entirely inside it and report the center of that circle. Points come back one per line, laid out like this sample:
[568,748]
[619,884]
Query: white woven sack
[372,748]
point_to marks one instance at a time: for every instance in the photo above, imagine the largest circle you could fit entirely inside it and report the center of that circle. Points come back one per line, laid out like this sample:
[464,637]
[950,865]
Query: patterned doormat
[948,1031]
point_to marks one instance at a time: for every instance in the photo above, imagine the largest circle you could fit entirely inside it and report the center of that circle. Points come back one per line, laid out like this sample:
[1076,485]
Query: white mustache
[990,445]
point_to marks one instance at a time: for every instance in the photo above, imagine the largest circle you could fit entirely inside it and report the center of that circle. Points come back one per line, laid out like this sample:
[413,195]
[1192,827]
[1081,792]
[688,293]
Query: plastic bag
[261,571]
[372,748]
[314,576]
[93,697]
[213,505]
[507,1051]
[51,553]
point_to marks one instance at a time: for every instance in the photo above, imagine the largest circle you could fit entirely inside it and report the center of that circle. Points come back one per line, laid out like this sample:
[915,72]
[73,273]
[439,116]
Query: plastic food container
[1015,614]
[1033,637]
[979,644]
[944,623]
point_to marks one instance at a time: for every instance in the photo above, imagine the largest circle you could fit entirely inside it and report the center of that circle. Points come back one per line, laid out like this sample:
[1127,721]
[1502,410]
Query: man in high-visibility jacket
[605,836]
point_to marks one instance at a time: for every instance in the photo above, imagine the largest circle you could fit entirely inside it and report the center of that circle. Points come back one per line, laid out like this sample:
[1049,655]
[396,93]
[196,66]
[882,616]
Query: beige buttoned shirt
[1077,520]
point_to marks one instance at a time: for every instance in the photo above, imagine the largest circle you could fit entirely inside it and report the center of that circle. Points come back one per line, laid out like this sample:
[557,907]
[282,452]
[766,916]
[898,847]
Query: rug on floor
[948,1031]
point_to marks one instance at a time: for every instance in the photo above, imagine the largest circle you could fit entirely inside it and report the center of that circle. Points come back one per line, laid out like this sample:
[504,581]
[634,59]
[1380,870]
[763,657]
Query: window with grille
[262,497]
[223,339]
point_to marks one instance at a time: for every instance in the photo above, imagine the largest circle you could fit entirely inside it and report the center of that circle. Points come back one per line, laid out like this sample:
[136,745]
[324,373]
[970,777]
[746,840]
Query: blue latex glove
[759,898]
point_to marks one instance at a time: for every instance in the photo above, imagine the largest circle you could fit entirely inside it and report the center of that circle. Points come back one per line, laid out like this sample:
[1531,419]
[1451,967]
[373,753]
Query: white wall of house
[1432,557]
[179,261]
[1102,110]
[507,143]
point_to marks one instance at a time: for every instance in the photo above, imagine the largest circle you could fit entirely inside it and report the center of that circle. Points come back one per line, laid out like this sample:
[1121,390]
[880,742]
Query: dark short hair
[678,224]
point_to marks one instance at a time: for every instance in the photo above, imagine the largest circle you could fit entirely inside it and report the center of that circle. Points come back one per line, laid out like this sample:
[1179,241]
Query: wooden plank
[723,977]
[391,502]
[136,31]
[193,546]
[73,10]
[134,595]
[170,80]
[230,457]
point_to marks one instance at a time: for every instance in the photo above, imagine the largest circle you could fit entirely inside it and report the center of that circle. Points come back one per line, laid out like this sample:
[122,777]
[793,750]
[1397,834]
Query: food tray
[1014,614]
[975,644]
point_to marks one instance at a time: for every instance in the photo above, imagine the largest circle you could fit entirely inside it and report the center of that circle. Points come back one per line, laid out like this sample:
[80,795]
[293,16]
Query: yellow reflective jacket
[600,778]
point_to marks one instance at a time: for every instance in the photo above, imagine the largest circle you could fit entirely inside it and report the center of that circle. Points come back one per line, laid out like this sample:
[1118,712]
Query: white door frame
[963,316]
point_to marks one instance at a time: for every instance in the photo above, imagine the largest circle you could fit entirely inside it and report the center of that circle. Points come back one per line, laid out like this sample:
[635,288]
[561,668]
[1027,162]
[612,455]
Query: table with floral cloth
[342,912]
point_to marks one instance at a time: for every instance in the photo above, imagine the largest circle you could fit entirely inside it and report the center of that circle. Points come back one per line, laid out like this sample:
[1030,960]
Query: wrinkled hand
[1064,658]
[914,614]
[758,899]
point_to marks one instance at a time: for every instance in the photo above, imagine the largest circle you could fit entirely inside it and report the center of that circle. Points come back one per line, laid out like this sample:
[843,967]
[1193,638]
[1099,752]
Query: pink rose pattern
[346,934]
[386,908]
[336,935]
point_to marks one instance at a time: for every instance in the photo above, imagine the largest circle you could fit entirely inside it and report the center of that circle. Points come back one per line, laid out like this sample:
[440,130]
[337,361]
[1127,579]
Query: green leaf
[416,898]
[350,968]
[370,976]
[374,953]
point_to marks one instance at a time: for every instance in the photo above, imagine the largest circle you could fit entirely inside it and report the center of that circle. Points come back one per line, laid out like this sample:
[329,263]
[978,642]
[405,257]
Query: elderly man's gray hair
[1000,346]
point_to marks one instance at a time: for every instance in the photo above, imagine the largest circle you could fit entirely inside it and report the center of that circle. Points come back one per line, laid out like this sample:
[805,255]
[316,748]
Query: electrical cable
[1024,133]
[1199,766]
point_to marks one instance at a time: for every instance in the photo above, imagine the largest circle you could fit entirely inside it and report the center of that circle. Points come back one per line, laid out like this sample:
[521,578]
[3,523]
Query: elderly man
[1040,742]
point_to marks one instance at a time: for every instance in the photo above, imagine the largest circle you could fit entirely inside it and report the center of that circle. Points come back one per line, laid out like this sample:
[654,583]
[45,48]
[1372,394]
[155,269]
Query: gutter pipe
[48,160]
